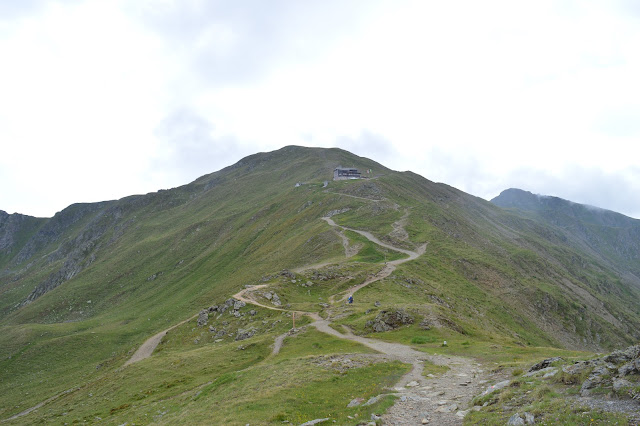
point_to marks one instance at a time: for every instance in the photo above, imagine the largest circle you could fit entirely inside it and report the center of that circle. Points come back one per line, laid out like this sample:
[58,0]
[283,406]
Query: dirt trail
[398,227]
[438,400]
[150,345]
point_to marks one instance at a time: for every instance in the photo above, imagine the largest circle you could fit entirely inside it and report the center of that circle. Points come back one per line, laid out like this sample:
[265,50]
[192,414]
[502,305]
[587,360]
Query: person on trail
[350,299]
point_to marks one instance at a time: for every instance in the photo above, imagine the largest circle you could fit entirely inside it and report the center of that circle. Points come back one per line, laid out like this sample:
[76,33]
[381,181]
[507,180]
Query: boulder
[495,387]
[203,317]
[589,384]
[624,355]
[529,418]
[621,385]
[372,400]
[545,363]
[389,320]
[515,420]
[355,402]
[576,368]
[626,369]
[276,300]
[238,304]
[545,371]
[245,334]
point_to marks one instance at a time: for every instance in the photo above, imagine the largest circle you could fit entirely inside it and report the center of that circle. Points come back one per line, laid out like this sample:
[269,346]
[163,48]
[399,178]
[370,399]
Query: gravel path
[150,344]
[438,400]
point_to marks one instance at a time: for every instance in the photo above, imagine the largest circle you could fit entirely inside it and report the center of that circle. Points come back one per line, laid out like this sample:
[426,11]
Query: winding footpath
[437,400]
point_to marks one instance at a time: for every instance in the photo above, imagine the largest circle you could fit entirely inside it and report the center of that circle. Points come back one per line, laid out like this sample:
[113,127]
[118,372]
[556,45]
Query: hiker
[350,299]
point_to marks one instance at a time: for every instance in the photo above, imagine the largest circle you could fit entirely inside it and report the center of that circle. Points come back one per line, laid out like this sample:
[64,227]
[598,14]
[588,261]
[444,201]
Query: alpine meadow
[226,301]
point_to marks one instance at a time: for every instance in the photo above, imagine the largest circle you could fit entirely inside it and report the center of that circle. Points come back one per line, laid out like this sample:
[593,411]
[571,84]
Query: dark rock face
[389,320]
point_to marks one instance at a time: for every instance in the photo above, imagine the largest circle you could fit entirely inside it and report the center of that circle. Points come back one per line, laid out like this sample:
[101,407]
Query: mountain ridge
[115,273]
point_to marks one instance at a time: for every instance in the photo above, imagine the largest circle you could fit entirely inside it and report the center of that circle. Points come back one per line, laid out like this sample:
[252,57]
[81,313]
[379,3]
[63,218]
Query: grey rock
[245,334]
[355,402]
[625,355]
[576,368]
[389,320]
[620,385]
[589,384]
[372,400]
[541,371]
[626,369]
[203,318]
[276,300]
[238,304]
[515,420]
[529,418]
[545,363]
[447,408]
[252,312]
[314,422]
[600,371]
[496,387]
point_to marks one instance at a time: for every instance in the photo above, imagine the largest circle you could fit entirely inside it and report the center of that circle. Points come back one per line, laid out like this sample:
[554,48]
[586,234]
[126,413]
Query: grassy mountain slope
[80,291]
[610,236]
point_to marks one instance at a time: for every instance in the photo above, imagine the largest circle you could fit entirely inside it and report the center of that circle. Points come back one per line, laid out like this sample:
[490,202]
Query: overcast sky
[104,99]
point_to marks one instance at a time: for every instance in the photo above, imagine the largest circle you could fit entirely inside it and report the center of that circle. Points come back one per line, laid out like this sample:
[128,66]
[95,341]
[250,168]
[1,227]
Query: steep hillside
[609,236]
[81,291]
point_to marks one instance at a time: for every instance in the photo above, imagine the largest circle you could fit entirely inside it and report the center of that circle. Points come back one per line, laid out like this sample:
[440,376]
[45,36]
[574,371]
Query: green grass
[154,260]
[370,252]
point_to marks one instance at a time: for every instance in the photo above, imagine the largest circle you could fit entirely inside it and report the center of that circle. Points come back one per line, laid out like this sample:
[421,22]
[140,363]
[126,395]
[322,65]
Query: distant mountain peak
[548,205]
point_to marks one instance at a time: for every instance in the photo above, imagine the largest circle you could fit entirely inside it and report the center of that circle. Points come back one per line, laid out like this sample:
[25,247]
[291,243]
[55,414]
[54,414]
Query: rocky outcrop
[203,318]
[15,228]
[232,305]
[618,371]
[389,320]
[273,298]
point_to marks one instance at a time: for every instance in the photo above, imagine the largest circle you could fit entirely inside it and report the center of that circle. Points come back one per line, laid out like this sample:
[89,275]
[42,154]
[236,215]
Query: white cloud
[479,95]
